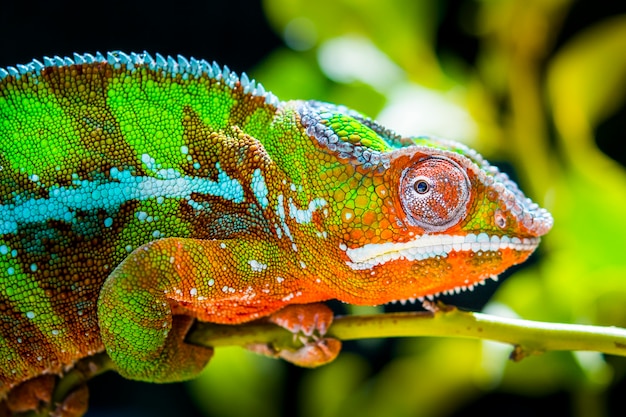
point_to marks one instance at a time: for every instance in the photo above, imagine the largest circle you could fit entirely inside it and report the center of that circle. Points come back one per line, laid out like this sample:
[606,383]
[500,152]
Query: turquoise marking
[259,188]
[91,195]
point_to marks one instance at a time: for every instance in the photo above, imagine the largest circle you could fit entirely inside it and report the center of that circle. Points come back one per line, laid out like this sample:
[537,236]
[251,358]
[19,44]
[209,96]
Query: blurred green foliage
[523,99]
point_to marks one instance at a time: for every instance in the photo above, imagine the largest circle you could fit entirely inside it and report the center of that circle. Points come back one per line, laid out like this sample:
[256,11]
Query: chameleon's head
[419,215]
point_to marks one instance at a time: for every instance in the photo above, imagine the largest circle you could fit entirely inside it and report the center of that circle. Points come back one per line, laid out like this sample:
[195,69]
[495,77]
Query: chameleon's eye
[434,193]
[421,186]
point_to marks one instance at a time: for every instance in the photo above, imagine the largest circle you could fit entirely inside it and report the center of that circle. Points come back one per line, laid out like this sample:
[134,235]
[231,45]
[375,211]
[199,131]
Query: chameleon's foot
[74,405]
[313,354]
[309,323]
[39,395]
[35,395]
[31,395]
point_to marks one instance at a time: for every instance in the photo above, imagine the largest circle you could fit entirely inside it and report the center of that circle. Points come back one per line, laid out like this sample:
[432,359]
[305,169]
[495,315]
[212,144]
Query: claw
[307,319]
[308,323]
[313,354]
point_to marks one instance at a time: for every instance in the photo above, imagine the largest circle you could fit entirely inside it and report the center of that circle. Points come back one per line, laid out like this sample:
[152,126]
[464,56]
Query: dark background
[237,34]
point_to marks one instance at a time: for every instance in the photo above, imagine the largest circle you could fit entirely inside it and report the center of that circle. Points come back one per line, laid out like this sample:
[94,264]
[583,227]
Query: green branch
[527,337]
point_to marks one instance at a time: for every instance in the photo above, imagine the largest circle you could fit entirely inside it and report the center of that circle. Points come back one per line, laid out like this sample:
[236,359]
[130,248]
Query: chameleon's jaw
[430,246]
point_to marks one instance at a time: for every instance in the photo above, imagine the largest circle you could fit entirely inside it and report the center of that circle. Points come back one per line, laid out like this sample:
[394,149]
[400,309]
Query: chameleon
[141,193]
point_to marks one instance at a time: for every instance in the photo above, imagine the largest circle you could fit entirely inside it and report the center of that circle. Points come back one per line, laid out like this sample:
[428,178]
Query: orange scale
[356,234]
[368,218]
[386,234]
[370,234]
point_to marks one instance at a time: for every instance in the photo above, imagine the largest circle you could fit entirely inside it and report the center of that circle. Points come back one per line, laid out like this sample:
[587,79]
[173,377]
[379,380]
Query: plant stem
[528,337]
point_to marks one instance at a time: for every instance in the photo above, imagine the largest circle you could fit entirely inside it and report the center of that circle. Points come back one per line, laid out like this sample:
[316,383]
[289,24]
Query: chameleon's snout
[537,220]
[531,219]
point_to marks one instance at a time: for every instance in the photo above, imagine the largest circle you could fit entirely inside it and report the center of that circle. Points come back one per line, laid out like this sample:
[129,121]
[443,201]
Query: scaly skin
[132,189]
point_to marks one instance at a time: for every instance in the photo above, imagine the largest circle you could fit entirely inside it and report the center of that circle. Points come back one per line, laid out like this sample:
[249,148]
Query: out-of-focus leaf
[587,81]
[292,76]
[238,383]
[408,41]
[581,278]
[587,78]
[433,377]
[429,377]
[335,383]
[289,76]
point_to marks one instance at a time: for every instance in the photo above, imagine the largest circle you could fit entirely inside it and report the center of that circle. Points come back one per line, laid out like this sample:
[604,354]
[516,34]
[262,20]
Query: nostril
[500,219]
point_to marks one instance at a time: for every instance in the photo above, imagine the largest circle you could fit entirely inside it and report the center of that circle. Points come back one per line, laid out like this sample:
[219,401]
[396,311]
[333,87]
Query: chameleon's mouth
[429,246]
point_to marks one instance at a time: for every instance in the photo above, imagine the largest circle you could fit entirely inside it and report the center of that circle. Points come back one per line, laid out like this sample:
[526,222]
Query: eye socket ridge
[434,193]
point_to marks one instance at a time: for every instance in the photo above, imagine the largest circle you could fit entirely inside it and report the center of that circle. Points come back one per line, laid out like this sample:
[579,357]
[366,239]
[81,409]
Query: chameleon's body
[215,200]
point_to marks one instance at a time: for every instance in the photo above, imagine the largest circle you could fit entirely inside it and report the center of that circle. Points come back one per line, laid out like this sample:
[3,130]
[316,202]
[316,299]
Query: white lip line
[427,246]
